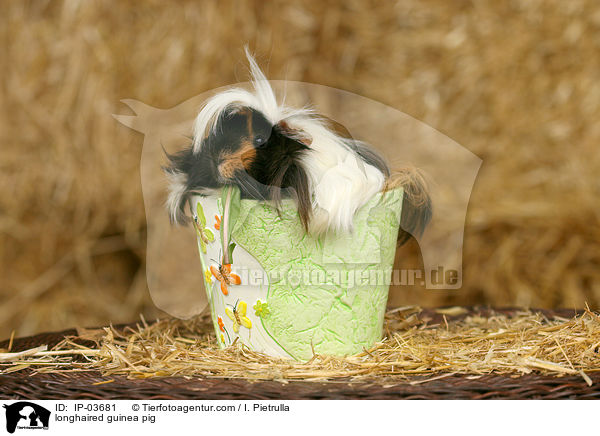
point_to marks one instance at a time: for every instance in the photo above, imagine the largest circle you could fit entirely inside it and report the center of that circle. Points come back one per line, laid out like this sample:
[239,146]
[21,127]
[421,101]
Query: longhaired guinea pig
[272,151]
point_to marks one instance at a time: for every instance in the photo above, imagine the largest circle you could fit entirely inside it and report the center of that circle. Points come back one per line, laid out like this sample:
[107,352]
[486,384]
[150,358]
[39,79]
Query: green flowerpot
[289,294]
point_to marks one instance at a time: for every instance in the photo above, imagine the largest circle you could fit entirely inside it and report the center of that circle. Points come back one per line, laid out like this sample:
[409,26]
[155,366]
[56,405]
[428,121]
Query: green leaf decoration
[200,214]
[231,200]
[209,235]
[231,248]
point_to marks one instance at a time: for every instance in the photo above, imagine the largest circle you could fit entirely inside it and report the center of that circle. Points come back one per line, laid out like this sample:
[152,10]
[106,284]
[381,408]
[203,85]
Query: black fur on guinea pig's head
[245,149]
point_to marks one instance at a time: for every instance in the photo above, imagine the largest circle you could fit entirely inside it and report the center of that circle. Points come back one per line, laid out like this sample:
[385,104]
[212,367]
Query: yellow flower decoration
[208,276]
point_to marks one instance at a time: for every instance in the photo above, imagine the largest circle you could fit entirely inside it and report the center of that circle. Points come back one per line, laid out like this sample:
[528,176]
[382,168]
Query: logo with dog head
[26,415]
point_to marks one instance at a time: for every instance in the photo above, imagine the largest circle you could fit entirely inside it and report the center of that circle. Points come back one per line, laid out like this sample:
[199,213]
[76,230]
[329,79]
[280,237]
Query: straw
[516,344]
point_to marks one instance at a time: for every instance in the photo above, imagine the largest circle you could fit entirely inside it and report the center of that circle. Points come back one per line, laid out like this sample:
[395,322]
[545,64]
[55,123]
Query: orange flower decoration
[225,276]
[221,325]
[218,223]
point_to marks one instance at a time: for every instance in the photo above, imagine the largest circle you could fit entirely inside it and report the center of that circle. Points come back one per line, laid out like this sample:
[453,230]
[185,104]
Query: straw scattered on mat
[521,343]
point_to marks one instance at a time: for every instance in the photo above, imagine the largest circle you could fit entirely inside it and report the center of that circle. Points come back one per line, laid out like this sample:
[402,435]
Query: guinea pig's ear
[177,177]
[335,127]
[293,134]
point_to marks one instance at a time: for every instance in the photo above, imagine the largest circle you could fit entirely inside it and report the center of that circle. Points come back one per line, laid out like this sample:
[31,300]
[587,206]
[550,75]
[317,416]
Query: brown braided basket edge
[81,385]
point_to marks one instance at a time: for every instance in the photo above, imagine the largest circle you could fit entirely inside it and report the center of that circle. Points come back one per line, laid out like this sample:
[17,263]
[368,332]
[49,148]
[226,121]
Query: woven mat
[84,384]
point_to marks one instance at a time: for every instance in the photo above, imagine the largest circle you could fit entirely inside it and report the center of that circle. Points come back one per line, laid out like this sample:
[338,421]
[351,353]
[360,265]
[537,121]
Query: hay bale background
[517,83]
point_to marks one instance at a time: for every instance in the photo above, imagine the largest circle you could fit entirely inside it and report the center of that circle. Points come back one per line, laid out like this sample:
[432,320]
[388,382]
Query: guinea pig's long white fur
[339,180]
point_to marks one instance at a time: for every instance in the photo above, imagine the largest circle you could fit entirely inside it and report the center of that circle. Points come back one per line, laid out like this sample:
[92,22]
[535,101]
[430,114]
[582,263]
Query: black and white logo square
[26,415]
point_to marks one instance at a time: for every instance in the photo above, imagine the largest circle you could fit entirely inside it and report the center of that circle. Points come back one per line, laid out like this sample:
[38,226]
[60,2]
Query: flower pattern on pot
[237,314]
[223,330]
[261,309]
[208,277]
[204,235]
[217,222]
[224,275]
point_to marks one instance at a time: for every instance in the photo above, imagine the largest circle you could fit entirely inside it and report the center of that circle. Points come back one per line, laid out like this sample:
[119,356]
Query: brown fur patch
[297,134]
[238,160]
[416,203]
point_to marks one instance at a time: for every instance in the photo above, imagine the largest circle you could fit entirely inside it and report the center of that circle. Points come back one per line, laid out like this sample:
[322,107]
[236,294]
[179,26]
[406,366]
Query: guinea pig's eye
[259,140]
